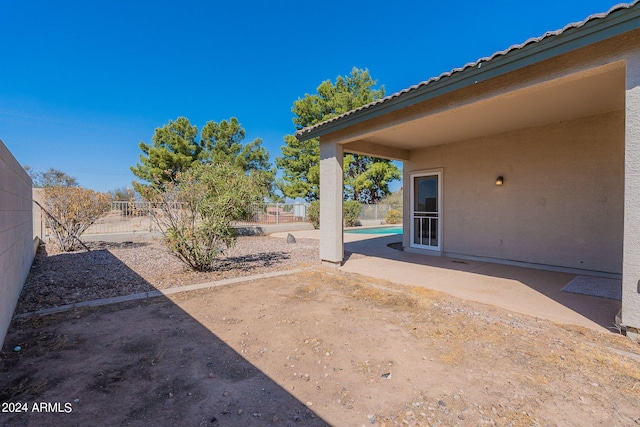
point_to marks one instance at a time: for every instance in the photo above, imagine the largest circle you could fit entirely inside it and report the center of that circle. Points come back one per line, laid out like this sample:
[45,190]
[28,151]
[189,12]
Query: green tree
[223,143]
[50,178]
[300,168]
[300,159]
[196,210]
[367,178]
[174,149]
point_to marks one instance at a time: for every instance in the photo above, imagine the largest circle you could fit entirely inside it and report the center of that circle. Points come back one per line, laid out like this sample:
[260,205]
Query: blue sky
[83,82]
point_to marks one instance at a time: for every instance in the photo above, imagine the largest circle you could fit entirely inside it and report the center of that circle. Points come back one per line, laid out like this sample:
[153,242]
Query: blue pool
[395,229]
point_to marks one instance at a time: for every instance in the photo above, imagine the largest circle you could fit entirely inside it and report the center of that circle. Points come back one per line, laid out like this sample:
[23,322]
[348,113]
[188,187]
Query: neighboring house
[529,157]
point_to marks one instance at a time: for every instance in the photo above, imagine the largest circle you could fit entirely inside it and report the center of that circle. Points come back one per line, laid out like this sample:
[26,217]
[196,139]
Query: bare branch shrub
[70,211]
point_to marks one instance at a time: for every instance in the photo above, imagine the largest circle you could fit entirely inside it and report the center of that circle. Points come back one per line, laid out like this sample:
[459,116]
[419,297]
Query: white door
[426,207]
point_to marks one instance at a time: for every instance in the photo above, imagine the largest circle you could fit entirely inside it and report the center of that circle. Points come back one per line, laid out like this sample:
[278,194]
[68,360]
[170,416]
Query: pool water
[396,229]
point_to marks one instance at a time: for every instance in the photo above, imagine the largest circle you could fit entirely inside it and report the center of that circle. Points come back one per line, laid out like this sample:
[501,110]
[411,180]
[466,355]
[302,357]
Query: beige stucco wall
[631,273]
[561,203]
[16,234]
[331,238]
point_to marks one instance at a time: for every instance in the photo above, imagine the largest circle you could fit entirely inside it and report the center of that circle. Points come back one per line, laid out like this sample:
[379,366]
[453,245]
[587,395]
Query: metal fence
[125,217]
[131,217]
[378,212]
[276,213]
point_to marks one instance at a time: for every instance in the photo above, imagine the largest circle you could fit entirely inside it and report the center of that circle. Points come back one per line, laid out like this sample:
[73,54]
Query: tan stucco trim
[376,150]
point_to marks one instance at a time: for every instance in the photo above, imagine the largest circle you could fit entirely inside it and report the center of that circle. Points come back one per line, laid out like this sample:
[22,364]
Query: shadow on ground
[138,363]
[251,261]
[601,311]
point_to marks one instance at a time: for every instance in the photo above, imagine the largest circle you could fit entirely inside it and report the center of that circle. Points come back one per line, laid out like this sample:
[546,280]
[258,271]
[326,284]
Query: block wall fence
[17,243]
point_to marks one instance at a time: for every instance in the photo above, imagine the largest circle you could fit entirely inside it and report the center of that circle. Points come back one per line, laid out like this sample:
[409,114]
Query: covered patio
[523,290]
[529,158]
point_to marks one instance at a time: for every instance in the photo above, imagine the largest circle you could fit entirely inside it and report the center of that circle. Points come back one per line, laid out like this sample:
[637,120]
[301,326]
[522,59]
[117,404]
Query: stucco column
[331,245]
[631,257]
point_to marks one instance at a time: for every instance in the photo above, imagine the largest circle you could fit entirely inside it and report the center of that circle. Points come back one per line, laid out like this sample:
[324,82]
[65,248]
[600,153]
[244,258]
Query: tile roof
[478,63]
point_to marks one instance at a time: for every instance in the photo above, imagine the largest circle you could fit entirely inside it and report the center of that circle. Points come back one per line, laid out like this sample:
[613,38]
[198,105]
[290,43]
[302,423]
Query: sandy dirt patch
[316,348]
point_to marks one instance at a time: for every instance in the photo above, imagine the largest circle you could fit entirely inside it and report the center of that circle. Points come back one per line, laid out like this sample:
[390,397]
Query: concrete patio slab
[523,290]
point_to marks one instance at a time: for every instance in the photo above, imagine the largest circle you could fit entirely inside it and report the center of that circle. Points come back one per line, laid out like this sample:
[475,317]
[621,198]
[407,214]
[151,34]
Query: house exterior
[528,157]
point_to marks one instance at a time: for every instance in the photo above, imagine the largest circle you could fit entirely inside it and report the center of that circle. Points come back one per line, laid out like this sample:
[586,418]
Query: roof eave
[591,32]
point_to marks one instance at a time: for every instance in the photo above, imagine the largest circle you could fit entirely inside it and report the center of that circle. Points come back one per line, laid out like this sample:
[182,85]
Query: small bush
[70,211]
[393,217]
[314,213]
[196,211]
[351,212]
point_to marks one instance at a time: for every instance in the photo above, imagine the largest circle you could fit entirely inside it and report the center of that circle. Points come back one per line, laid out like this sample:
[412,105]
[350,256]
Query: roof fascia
[549,47]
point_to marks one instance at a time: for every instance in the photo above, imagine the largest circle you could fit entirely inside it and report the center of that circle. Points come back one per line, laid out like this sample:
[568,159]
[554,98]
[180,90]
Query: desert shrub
[393,217]
[351,212]
[69,211]
[314,213]
[195,211]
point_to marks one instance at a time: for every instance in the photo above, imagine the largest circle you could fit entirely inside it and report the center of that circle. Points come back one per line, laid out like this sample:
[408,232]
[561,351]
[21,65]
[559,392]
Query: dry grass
[479,332]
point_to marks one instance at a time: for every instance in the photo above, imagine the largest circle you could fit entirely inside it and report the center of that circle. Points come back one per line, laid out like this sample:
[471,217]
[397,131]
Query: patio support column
[631,257]
[331,244]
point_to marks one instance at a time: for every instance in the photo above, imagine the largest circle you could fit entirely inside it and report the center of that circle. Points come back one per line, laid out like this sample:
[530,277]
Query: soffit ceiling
[582,94]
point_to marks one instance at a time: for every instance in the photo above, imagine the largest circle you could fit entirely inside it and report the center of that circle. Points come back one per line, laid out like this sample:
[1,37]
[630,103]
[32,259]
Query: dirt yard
[309,349]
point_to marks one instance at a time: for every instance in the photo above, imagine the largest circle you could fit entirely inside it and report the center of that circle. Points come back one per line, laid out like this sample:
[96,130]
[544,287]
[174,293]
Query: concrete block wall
[17,246]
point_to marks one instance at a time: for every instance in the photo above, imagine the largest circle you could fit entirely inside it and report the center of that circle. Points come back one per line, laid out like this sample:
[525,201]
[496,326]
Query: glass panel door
[425,225]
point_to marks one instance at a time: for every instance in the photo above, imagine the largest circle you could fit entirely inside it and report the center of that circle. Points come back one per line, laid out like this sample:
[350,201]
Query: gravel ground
[114,269]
